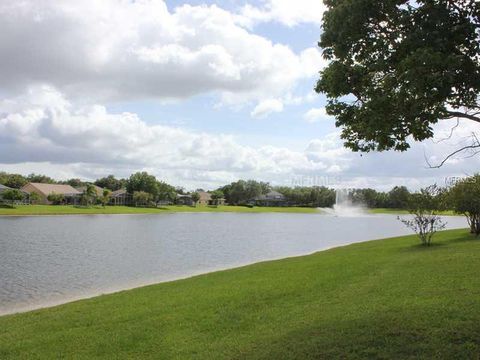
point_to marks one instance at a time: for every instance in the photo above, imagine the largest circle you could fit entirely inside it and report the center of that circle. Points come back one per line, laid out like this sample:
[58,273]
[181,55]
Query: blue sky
[198,93]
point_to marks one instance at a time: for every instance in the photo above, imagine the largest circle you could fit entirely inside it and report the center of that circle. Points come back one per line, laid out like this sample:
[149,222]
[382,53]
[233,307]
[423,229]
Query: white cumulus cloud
[266,107]
[43,131]
[316,114]
[128,50]
[287,12]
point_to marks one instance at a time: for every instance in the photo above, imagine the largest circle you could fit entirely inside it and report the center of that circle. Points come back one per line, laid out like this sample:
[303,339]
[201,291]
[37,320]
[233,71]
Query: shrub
[423,207]
[56,199]
[34,197]
[12,195]
[141,198]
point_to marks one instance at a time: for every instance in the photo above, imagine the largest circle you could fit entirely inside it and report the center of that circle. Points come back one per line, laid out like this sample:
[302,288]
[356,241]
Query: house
[272,198]
[120,197]
[184,200]
[71,195]
[98,190]
[3,188]
[205,198]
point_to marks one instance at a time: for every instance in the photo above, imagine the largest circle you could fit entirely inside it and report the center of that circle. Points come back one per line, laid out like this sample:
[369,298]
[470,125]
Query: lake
[47,260]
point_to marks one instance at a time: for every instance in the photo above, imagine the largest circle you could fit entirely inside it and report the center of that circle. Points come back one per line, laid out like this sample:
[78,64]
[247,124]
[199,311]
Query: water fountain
[343,205]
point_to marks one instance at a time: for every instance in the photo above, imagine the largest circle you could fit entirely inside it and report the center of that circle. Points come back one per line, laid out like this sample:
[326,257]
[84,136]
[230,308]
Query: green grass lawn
[66,210]
[381,299]
[400,211]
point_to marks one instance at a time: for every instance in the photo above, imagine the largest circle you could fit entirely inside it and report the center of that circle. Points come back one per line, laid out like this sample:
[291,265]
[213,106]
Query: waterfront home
[205,198]
[98,190]
[120,197]
[184,200]
[272,198]
[2,189]
[70,194]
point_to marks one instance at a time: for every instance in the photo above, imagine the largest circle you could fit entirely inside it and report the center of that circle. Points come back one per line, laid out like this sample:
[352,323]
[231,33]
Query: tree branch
[463,115]
[451,133]
[475,145]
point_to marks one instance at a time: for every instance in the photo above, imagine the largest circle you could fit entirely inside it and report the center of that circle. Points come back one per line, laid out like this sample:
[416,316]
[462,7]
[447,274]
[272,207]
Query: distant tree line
[463,197]
[315,196]
[241,191]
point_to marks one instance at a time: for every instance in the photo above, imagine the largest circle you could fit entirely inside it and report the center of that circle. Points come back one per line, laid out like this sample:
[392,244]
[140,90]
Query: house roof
[47,189]
[118,192]
[98,189]
[271,195]
[184,196]
[3,188]
[205,196]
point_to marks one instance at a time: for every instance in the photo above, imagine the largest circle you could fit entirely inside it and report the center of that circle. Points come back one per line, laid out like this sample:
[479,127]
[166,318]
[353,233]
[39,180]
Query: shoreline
[52,210]
[346,300]
[120,289]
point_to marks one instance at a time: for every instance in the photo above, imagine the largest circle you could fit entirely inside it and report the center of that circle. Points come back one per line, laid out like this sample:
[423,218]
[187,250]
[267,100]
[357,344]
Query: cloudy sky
[199,93]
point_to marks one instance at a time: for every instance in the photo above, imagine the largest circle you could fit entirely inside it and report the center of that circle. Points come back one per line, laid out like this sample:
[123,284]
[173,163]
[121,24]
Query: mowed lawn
[401,211]
[75,210]
[388,299]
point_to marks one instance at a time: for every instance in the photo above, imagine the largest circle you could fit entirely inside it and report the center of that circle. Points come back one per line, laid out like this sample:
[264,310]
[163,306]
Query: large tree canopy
[399,66]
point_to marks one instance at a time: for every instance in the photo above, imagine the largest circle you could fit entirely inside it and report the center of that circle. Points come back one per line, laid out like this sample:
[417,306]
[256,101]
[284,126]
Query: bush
[141,198]
[12,195]
[34,197]
[56,199]
[423,207]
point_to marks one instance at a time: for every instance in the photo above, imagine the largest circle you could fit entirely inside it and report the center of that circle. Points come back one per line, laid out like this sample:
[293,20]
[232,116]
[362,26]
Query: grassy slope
[65,210]
[381,299]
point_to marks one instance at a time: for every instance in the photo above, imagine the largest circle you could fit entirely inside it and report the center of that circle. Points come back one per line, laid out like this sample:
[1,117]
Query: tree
[105,197]
[56,199]
[12,195]
[141,198]
[399,197]
[37,178]
[15,181]
[216,196]
[34,197]
[195,197]
[423,207]
[397,67]
[76,183]
[366,197]
[89,195]
[464,197]
[142,181]
[242,191]
[111,183]
[166,192]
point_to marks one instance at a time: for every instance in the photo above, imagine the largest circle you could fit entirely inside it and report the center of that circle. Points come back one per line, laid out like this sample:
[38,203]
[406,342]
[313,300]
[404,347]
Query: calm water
[48,260]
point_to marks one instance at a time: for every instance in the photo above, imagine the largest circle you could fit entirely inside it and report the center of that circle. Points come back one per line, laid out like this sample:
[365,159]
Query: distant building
[120,197]
[184,200]
[3,188]
[98,190]
[272,198]
[71,195]
[205,198]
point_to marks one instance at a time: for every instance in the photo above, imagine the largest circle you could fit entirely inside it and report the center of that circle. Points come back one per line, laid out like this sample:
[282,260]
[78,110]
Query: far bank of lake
[20,210]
